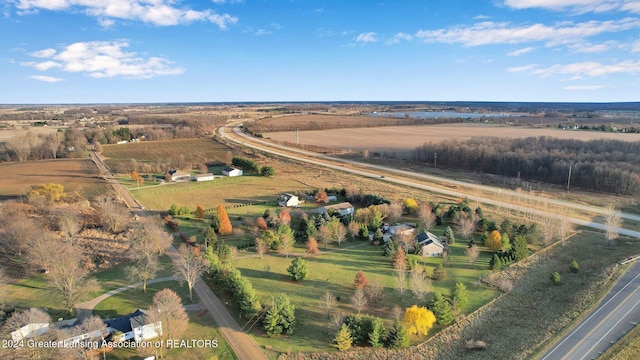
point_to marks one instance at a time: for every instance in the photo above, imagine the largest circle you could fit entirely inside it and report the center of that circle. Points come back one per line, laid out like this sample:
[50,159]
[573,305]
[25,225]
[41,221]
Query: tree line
[601,165]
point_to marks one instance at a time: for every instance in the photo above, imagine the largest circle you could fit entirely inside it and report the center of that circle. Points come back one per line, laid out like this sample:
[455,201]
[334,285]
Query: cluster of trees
[601,165]
[251,166]
[369,330]
[232,281]
[29,146]
[280,318]
[54,247]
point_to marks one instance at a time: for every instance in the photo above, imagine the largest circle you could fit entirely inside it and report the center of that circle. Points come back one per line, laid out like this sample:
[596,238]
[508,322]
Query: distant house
[429,244]
[288,200]
[400,230]
[69,334]
[176,175]
[231,171]
[341,209]
[29,331]
[133,326]
[203,177]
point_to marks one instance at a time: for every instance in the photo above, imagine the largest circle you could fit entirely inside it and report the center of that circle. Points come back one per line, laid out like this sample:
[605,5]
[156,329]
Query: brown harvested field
[198,148]
[404,138]
[79,175]
[317,122]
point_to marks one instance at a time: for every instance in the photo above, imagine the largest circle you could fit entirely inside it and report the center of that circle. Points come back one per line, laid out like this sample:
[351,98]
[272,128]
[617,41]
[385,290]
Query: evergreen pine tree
[343,338]
[398,336]
[441,309]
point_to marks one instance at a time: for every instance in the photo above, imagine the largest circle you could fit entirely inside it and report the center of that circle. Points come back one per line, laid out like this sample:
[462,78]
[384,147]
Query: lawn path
[85,309]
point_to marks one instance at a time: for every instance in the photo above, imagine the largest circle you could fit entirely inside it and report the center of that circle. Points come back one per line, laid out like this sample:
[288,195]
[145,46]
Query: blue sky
[129,51]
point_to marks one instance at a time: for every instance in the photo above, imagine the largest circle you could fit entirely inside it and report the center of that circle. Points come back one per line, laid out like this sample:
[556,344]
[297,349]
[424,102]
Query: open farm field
[317,122]
[74,174]
[148,151]
[407,138]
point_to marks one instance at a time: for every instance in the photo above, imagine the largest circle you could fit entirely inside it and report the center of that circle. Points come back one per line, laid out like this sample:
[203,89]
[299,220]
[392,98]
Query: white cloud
[156,12]
[519,52]
[104,59]
[584,87]
[481,17]
[399,37]
[262,32]
[525,68]
[635,46]
[368,37]
[589,48]
[46,53]
[589,69]
[487,33]
[50,79]
[577,6]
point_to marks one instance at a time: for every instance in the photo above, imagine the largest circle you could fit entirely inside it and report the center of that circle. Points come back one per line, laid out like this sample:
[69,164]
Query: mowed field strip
[405,138]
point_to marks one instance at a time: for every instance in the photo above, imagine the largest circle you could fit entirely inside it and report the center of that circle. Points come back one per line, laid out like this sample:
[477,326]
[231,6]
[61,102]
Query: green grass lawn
[239,190]
[335,272]
[128,301]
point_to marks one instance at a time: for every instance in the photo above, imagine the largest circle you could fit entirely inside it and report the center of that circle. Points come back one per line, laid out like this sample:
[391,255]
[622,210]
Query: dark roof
[138,321]
[426,238]
[229,168]
[123,323]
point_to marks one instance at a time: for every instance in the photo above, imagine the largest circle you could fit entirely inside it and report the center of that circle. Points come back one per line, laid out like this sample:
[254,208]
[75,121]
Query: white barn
[231,171]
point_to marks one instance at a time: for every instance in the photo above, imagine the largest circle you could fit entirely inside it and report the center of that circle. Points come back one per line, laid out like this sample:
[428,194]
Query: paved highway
[616,315]
[243,345]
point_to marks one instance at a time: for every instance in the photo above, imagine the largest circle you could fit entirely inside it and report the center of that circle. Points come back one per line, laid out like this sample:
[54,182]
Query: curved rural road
[243,345]
[616,315]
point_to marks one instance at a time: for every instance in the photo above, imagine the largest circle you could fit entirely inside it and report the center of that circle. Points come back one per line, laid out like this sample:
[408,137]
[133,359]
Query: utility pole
[569,178]
[297,136]
[435,158]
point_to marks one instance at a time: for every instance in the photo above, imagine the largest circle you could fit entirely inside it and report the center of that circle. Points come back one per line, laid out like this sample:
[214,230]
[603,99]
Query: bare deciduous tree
[168,311]
[113,214]
[40,249]
[147,241]
[394,211]
[359,300]
[426,216]
[420,284]
[324,234]
[69,224]
[328,302]
[262,246]
[466,224]
[375,289]
[190,267]
[68,277]
[613,221]
[472,252]
[17,233]
[400,276]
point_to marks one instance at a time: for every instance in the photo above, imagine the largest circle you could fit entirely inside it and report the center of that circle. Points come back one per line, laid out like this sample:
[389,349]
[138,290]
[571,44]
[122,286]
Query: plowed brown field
[405,138]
